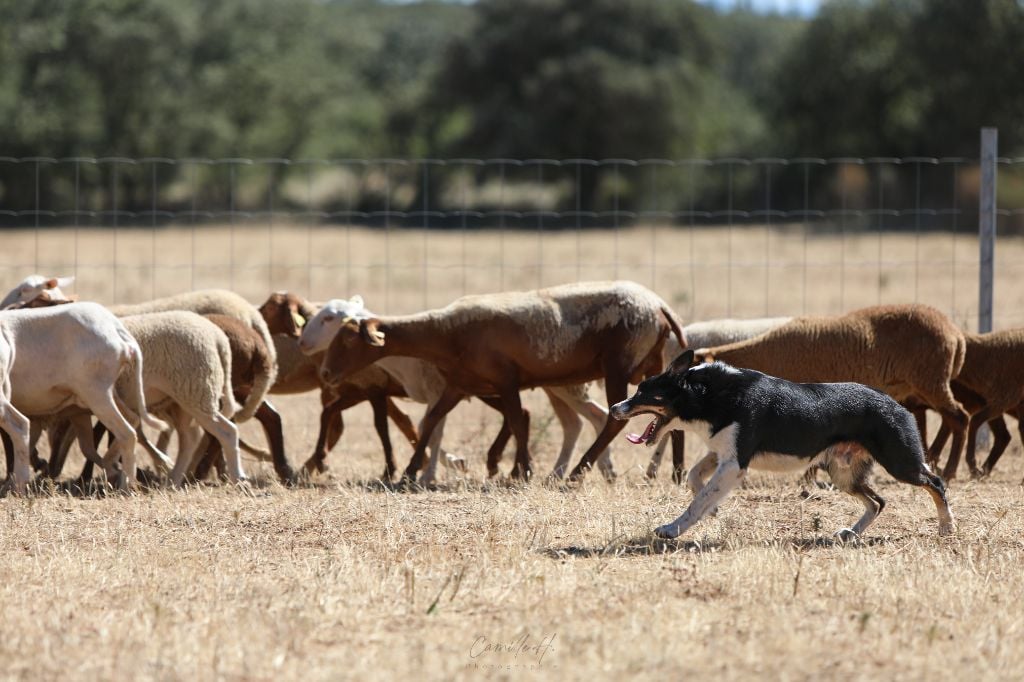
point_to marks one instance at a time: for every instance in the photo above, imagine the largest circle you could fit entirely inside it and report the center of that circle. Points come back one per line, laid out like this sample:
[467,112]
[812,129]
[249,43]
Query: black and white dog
[749,419]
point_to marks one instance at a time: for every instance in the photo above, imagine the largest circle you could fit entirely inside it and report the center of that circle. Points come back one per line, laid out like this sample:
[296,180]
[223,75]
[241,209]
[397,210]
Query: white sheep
[424,383]
[187,376]
[53,358]
[207,302]
[706,334]
[33,286]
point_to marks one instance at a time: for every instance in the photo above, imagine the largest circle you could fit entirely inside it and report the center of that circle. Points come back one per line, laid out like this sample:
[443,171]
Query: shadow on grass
[648,545]
[645,545]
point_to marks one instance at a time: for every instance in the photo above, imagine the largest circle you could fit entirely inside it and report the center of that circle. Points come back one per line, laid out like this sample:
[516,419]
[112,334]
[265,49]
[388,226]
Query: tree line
[503,78]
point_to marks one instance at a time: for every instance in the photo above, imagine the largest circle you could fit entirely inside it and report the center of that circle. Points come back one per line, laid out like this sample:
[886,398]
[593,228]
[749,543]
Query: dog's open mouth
[647,435]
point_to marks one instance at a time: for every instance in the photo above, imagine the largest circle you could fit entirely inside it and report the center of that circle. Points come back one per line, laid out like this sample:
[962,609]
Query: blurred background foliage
[502,78]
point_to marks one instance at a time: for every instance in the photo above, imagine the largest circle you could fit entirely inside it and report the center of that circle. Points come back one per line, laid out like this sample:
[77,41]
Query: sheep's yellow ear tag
[299,320]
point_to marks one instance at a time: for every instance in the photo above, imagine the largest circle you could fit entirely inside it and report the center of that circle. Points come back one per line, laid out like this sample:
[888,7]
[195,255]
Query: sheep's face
[669,396]
[317,333]
[357,344]
[285,313]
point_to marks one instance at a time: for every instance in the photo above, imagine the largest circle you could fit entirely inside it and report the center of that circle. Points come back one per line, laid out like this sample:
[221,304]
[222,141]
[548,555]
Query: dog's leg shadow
[642,545]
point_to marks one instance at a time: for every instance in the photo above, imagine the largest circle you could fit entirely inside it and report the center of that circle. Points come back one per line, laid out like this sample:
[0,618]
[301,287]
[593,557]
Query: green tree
[569,78]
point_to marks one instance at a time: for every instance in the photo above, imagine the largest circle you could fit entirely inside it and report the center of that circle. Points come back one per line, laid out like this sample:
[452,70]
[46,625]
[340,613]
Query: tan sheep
[911,352]
[212,302]
[990,384]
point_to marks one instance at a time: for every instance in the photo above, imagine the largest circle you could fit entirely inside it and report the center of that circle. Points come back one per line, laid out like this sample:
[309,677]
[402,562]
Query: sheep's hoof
[678,476]
[977,473]
[666,532]
[457,463]
[609,475]
[651,473]
[945,529]
[315,465]
[845,535]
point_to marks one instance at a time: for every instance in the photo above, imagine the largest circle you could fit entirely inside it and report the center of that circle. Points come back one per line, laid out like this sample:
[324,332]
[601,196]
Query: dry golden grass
[340,579]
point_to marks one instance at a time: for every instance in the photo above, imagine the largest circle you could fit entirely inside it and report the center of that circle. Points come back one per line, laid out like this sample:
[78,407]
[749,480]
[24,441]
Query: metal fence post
[987,226]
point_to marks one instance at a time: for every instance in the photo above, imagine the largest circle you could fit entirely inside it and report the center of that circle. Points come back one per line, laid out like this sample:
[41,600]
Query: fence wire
[716,237]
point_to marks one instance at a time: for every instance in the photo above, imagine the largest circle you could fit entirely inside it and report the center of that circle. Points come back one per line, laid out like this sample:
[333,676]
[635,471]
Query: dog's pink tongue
[640,439]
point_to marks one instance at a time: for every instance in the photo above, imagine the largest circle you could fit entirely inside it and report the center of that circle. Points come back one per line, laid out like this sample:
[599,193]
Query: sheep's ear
[704,355]
[682,363]
[298,319]
[368,330]
[357,300]
[55,282]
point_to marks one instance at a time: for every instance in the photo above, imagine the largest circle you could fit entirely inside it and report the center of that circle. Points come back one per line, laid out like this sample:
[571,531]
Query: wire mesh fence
[715,237]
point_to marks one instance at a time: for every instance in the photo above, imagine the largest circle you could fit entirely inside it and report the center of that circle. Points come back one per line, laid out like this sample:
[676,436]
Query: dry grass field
[341,578]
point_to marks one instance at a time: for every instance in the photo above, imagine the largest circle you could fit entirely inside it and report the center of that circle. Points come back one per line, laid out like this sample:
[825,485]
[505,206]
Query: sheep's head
[43,300]
[35,286]
[286,313]
[357,344]
[317,334]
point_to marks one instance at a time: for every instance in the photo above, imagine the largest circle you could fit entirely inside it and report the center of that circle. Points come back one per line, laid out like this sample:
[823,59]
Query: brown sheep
[498,344]
[911,352]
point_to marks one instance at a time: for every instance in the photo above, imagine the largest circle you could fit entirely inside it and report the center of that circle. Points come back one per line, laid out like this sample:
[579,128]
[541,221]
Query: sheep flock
[188,368]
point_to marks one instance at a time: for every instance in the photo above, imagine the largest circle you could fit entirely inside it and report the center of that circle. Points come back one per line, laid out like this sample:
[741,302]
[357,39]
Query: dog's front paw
[666,532]
[847,535]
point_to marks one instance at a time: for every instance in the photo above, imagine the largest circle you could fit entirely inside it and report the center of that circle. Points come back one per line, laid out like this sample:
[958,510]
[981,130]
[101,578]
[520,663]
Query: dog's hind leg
[727,476]
[907,466]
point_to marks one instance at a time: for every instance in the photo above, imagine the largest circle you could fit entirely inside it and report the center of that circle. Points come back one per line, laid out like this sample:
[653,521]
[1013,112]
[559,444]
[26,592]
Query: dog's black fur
[833,425]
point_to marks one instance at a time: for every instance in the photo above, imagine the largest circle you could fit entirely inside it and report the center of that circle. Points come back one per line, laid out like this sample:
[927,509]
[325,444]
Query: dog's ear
[682,363]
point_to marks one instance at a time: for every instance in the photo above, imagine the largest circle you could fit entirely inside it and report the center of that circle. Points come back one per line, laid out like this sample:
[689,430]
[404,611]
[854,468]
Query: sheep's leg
[122,449]
[35,430]
[402,421]
[89,438]
[163,440]
[935,450]
[571,424]
[953,414]
[8,452]
[519,422]
[616,385]
[209,449]
[594,413]
[678,456]
[655,463]
[977,419]
[445,404]
[226,432]
[920,413]
[270,420]
[59,435]
[188,439]
[378,401]
[430,471]
[331,413]
[16,425]
[1000,439]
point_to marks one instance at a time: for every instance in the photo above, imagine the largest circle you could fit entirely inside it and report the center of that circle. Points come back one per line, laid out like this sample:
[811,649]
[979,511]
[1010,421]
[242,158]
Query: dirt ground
[341,578]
